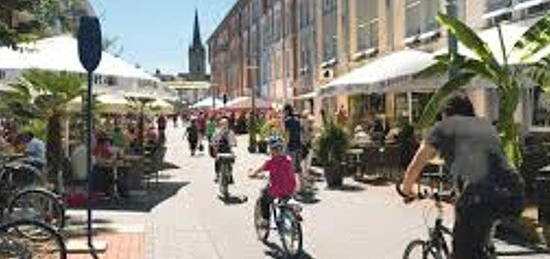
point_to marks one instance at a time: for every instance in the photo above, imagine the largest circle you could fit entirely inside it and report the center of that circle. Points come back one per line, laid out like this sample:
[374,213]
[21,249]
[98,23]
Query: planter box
[334,176]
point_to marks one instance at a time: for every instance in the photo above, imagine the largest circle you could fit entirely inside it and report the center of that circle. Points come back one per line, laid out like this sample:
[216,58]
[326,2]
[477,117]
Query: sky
[157,33]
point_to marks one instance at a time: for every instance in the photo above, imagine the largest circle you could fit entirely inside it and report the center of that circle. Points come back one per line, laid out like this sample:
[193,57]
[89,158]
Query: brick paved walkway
[120,246]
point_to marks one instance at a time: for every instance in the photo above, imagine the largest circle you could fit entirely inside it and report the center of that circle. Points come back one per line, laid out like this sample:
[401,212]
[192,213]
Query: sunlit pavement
[362,221]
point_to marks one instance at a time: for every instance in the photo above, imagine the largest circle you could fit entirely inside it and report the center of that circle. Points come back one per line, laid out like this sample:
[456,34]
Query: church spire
[197,41]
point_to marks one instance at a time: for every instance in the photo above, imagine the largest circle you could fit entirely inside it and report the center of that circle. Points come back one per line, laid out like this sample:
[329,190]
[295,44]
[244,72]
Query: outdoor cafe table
[356,160]
[11,156]
[120,161]
[440,163]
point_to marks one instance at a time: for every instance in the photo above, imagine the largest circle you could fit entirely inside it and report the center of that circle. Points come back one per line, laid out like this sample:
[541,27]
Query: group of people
[25,143]
[487,186]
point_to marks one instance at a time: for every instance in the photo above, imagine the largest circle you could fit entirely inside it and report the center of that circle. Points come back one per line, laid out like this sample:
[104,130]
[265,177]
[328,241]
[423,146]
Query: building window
[367,24]
[2,74]
[98,80]
[541,108]
[420,16]
[330,33]
[277,24]
[111,81]
[533,9]
[493,5]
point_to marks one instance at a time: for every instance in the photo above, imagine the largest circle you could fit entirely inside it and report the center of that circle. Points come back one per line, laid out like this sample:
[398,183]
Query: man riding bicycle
[489,188]
[223,142]
[282,180]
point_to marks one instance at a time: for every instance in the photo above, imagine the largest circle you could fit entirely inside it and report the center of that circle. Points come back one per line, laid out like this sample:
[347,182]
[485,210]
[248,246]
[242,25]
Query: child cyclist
[282,179]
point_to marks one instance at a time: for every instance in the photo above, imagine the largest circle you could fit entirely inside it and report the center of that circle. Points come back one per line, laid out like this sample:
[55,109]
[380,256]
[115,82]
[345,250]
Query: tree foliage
[509,79]
[38,19]
[41,98]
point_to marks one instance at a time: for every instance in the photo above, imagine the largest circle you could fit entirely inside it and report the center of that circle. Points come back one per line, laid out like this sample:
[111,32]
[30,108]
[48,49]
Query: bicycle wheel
[419,249]
[38,205]
[447,245]
[261,231]
[15,246]
[290,230]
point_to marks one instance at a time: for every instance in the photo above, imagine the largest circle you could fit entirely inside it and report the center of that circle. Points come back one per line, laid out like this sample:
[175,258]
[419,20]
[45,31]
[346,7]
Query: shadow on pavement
[348,188]
[307,198]
[276,252]
[234,199]
[143,202]
[376,181]
[168,165]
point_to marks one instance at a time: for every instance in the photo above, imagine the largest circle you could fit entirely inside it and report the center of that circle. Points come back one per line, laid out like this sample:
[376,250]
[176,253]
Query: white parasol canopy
[245,102]
[60,53]
[207,103]
[109,103]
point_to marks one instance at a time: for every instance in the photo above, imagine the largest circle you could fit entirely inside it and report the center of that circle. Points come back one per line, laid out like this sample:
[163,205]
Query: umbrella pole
[89,130]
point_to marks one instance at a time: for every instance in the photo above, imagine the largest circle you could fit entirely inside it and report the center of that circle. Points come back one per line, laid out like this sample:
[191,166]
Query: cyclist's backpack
[224,146]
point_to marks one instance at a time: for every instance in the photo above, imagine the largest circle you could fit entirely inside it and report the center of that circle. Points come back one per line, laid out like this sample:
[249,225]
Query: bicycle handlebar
[436,196]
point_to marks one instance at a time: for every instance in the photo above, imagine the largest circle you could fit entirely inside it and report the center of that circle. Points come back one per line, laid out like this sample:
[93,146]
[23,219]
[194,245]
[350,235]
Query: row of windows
[105,80]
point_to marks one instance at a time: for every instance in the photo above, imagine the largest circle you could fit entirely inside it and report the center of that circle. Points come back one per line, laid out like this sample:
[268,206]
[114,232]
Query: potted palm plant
[331,151]
[265,129]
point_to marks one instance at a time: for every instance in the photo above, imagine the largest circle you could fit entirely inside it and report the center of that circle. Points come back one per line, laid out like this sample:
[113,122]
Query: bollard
[542,189]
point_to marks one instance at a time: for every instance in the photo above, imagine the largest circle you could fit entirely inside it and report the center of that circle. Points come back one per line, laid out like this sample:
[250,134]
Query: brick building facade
[288,48]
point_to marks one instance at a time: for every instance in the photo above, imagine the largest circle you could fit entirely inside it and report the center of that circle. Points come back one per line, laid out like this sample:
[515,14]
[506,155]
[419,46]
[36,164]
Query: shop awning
[306,96]
[496,13]
[245,102]
[529,4]
[511,32]
[188,85]
[373,77]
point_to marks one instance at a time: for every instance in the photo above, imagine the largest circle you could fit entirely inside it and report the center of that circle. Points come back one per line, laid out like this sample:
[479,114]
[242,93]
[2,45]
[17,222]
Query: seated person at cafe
[391,137]
[119,140]
[377,132]
[361,137]
[103,178]
[4,145]
[34,147]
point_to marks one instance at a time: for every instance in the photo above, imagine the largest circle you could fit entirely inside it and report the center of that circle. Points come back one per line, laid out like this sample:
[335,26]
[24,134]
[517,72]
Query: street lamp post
[252,128]
[452,11]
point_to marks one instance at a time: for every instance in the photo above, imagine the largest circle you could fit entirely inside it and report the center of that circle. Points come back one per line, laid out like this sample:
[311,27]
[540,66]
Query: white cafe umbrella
[207,103]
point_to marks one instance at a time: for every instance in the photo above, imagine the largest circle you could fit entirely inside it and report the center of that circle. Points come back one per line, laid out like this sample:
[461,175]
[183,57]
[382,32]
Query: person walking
[489,188]
[307,123]
[201,124]
[161,125]
[192,134]
[293,132]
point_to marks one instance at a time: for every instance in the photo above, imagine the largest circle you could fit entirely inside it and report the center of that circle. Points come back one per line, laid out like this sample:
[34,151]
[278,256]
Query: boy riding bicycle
[282,180]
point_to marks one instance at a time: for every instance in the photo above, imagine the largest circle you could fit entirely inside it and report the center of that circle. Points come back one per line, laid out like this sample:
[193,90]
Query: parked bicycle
[14,245]
[286,220]
[21,198]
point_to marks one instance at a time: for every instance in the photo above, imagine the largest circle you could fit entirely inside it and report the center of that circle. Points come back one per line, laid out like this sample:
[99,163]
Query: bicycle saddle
[282,201]
[226,156]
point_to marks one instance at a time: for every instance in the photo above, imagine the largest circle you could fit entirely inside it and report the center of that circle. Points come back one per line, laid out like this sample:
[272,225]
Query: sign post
[89,52]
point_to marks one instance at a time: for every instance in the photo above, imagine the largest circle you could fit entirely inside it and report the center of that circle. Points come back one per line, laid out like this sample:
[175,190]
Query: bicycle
[13,245]
[20,200]
[225,176]
[438,244]
[286,220]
